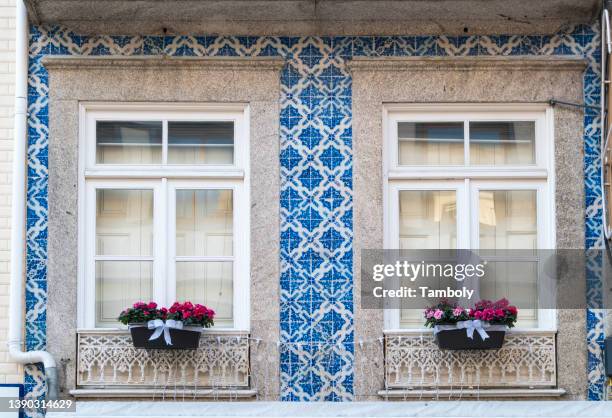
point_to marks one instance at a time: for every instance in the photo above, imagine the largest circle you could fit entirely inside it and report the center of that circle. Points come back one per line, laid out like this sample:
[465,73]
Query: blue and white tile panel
[316,320]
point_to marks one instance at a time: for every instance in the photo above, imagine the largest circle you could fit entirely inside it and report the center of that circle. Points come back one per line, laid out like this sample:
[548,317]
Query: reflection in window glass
[508,219]
[124,222]
[119,284]
[204,222]
[430,143]
[502,143]
[428,219]
[124,142]
[208,283]
[515,281]
[200,143]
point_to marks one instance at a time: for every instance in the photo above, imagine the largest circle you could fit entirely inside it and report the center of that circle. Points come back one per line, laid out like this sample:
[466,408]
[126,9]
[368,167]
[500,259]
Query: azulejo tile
[317,352]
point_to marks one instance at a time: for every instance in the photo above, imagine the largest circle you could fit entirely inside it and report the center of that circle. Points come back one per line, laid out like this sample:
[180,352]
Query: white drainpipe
[18,210]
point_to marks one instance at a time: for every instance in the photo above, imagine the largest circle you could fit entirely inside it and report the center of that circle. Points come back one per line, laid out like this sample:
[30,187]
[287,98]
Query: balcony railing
[524,366]
[109,365]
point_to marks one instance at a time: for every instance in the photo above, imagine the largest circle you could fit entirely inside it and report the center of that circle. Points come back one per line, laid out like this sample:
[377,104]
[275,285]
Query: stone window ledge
[169,393]
[455,394]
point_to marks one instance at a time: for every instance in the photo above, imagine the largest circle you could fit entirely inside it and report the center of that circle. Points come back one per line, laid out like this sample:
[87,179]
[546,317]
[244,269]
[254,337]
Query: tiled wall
[316,179]
[9,371]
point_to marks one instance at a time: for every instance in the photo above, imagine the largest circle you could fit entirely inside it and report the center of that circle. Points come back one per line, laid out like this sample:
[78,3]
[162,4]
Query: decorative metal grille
[413,361]
[108,359]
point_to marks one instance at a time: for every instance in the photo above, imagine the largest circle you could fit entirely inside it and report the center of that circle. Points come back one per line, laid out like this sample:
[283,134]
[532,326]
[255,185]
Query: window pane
[118,285]
[208,283]
[124,222]
[128,142]
[200,142]
[204,223]
[430,143]
[508,219]
[428,219]
[502,143]
[517,282]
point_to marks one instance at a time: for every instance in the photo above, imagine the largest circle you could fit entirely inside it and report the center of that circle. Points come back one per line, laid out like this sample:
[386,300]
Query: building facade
[312,143]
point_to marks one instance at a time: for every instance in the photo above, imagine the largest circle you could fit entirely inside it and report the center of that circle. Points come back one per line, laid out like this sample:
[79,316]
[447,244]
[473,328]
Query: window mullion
[164,142]
[466,142]
[160,250]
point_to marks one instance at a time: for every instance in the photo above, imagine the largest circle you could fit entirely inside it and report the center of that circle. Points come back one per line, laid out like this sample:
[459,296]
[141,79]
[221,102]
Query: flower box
[458,339]
[482,327]
[175,328]
[181,339]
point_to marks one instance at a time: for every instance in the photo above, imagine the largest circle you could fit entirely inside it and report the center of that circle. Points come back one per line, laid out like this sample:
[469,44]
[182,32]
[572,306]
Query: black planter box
[182,339]
[457,339]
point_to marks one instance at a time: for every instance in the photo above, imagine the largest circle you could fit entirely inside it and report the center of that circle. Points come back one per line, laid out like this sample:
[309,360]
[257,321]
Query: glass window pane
[430,143]
[124,222]
[508,219]
[204,222]
[208,283]
[517,282]
[118,285]
[502,143]
[200,142]
[428,219]
[128,142]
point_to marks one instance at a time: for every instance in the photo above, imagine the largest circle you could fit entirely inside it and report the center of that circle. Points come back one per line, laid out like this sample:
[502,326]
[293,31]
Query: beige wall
[9,371]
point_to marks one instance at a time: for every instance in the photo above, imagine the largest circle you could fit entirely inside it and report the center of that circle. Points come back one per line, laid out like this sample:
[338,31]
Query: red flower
[152,305]
[512,310]
[500,313]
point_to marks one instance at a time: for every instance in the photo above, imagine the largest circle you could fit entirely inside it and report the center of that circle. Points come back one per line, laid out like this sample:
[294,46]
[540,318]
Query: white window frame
[467,180]
[164,180]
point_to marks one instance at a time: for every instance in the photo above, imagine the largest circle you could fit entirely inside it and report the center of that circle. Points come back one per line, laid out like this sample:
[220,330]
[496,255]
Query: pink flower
[502,303]
[476,314]
[488,314]
[429,313]
[499,313]
[457,311]
[438,314]
[152,305]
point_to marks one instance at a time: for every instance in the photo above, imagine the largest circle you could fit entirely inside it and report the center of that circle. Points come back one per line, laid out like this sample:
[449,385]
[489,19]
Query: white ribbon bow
[474,325]
[163,327]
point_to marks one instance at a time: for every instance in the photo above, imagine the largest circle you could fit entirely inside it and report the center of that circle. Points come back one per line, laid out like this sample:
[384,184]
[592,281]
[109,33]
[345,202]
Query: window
[473,177]
[164,209]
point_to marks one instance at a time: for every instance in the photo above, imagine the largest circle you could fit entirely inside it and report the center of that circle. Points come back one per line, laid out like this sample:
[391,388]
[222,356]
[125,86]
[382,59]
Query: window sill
[164,393]
[429,331]
[454,394]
